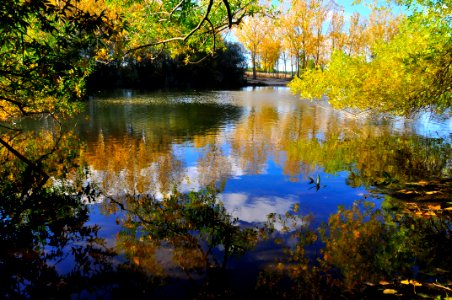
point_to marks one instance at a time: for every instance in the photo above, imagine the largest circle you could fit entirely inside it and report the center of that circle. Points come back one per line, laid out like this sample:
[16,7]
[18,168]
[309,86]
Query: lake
[248,155]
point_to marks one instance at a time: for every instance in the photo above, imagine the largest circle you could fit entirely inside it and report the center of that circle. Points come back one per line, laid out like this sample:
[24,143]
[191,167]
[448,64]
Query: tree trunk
[253,55]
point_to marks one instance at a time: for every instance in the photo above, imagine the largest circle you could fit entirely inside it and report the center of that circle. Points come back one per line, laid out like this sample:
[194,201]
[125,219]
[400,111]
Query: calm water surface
[262,148]
[259,145]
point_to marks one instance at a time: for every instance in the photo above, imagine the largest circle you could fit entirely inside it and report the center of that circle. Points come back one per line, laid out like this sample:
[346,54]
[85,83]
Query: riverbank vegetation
[402,74]
[382,62]
[52,51]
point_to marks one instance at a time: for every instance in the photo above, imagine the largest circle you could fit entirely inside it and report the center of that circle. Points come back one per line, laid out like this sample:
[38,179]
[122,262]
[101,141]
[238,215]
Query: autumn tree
[270,49]
[356,38]
[181,27]
[250,34]
[302,26]
[297,24]
[48,48]
[405,73]
[336,30]
[45,57]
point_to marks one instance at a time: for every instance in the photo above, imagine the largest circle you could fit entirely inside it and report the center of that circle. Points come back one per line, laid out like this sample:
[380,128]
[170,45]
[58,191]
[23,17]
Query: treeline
[398,64]
[301,34]
[225,69]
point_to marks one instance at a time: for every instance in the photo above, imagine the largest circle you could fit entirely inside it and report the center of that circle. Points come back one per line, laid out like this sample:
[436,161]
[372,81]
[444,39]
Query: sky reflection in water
[265,150]
[261,143]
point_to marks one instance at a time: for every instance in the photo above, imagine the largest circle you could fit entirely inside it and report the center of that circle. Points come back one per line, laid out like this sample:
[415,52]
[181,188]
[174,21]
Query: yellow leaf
[383,282]
[415,283]
[406,192]
[434,207]
[406,281]
[389,291]
[431,192]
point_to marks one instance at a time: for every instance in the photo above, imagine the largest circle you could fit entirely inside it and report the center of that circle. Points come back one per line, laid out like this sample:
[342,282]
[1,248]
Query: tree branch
[228,9]
[184,38]
[16,153]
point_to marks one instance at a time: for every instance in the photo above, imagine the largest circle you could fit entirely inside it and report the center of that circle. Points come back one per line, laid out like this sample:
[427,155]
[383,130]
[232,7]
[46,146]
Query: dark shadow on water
[187,245]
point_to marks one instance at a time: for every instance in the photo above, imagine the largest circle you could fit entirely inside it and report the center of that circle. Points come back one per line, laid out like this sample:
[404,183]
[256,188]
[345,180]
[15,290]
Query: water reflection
[185,184]
[366,252]
[42,225]
[151,143]
[260,159]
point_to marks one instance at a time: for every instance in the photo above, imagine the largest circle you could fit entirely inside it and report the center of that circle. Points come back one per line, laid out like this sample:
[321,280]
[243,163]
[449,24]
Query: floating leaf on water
[415,283]
[448,208]
[406,281]
[431,192]
[434,207]
[406,192]
[389,292]
[383,282]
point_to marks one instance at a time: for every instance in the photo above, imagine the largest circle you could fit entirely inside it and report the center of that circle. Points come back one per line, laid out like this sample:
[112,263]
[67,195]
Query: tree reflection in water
[187,240]
[47,249]
[366,252]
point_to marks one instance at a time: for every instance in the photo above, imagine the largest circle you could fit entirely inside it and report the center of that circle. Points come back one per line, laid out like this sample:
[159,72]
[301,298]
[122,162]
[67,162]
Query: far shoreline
[266,79]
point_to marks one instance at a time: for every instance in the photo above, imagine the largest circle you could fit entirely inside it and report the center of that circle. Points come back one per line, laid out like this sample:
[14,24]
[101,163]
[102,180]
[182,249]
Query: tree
[356,38]
[336,34]
[404,74]
[48,48]
[250,34]
[45,52]
[187,25]
[270,49]
[302,26]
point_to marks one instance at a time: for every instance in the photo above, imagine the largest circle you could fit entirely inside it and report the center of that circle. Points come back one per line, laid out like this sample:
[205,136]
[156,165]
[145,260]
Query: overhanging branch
[241,12]
[20,156]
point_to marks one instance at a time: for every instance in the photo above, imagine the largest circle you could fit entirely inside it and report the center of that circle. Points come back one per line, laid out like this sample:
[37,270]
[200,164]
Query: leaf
[415,283]
[383,282]
[412,282]
[431,192]
[406,192]
[434,207]
[406,281]
[390,291]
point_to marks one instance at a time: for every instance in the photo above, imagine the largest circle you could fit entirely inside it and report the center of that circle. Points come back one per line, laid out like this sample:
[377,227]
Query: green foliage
[46,52]
[178,27]
[410,72]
